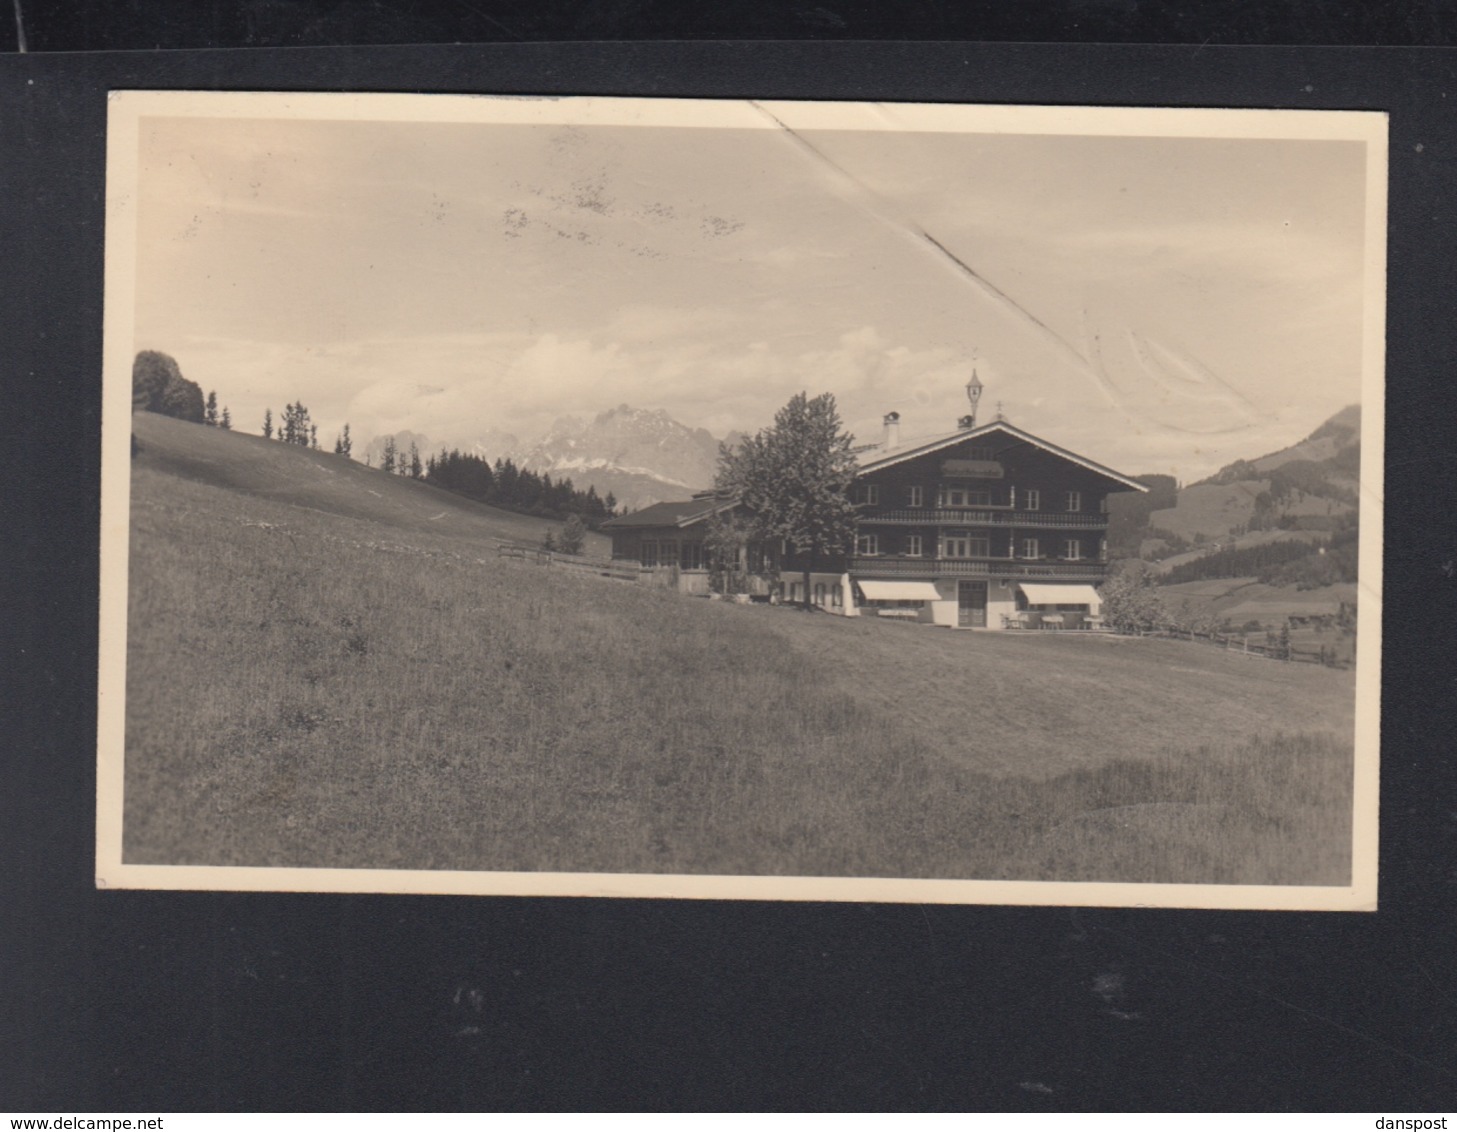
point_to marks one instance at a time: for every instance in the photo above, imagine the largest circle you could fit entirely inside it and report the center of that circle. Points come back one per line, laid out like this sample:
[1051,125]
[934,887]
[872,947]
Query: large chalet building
[983,527]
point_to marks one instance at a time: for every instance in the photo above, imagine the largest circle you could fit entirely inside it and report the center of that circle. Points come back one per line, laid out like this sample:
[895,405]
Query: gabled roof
[678,514]
[875,459]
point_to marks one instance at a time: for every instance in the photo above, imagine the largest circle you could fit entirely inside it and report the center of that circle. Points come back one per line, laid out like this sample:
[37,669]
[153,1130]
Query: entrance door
[971,605]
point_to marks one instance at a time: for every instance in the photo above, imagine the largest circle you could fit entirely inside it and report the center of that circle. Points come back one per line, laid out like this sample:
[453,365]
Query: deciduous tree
[159,387]
[794,479]
[726,540]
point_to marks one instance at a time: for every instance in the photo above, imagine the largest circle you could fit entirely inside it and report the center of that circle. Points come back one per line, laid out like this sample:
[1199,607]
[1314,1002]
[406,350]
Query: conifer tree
[387,462]
[226,420]
[267,424]
[210,410]
[574,535]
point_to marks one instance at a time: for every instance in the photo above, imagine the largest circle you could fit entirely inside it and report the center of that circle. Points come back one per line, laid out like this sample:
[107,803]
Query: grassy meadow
[347,678]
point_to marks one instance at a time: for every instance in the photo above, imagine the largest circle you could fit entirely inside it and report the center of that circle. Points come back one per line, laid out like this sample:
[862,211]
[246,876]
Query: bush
[574,535]
[1132,602]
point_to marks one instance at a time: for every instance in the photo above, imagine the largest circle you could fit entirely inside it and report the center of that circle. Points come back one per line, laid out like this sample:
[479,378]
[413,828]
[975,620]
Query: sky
[1156,303]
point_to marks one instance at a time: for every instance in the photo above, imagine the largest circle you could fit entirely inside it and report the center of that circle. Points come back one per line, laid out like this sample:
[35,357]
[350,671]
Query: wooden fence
[1241,643]
[604,567]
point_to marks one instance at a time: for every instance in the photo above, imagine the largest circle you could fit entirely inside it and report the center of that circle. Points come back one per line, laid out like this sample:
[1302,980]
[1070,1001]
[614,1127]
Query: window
[820,594]
[870,493]
[867,545]
[959,544]
[1102,505]
[649,552]
[979,454]
[913,546]
[1030,548]
[1034,499]
[1072,549]
[1074,501]
[692,557]
[836,598]
[668,553]
[918,498]
[965,497]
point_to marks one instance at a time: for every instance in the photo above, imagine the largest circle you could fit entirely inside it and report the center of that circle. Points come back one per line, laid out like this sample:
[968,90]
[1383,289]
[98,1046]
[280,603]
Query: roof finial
[973,393]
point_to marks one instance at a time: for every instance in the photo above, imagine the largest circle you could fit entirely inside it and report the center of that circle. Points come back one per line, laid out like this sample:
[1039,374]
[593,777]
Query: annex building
[982,527]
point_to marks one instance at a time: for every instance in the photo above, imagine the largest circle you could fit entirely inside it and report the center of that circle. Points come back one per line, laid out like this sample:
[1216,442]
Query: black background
[132,1002]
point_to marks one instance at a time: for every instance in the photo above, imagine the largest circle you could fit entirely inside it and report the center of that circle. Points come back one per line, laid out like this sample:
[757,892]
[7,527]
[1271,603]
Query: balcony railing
[940,516]
[1089,570]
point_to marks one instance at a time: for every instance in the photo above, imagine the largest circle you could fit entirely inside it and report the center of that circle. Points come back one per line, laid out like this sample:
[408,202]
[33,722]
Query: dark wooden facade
[976,513]
[673,538]
[952,530]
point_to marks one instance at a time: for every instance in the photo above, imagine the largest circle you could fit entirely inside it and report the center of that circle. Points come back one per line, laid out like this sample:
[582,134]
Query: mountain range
[640,456]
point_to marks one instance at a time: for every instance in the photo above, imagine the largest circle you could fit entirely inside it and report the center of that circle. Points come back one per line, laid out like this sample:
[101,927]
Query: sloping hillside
[1307,491]
[331,669]
[1341,431]
[324,482]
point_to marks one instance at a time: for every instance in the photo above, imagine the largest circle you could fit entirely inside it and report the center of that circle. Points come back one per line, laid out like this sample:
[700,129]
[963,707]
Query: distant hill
[1311,485]
[322,482]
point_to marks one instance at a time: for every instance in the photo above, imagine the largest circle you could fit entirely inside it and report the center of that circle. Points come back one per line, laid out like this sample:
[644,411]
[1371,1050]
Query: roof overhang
[682,519]
[899,591]
[1038,594]
[901,455]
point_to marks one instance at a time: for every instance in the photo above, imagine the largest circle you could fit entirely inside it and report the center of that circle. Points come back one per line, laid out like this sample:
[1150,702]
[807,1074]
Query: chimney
[891,438]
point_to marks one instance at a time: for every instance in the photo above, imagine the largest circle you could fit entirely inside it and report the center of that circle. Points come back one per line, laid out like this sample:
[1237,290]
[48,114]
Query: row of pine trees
[501,484]
[504,485]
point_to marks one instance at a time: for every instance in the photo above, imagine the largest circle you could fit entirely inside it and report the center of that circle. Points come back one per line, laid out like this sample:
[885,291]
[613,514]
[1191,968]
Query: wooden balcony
[982,517]
[895,566]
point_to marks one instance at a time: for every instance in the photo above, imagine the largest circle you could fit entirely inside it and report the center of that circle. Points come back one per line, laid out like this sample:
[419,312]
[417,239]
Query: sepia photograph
[735,499]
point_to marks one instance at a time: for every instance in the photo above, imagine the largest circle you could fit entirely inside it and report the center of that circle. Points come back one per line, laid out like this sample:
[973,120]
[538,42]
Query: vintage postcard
[735,499]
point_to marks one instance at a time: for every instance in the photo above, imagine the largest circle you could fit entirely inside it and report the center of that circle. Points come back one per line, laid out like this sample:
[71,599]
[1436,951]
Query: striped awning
[899,591]
[1059,595]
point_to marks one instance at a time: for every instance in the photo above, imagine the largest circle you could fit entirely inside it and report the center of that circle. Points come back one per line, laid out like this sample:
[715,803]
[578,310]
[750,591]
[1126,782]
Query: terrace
[984,516]
[1090,570]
